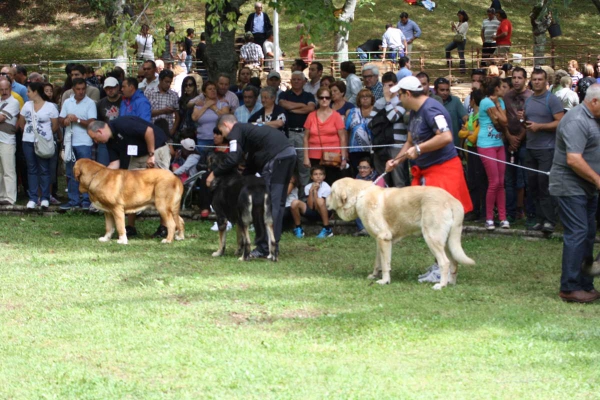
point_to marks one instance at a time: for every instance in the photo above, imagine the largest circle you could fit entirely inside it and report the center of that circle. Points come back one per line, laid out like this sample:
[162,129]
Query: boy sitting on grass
[315,207]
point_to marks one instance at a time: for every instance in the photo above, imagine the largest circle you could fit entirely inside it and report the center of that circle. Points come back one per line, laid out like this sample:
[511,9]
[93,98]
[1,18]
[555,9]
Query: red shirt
[505,26]
[306,55]
[329,133]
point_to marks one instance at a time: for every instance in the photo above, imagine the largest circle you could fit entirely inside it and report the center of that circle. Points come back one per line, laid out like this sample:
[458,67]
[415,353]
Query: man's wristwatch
[418,149]
[78,120]
[151,154]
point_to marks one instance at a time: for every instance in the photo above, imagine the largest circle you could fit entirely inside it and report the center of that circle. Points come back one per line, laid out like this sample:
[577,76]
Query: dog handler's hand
[150,162]
[390,165]
[412,153]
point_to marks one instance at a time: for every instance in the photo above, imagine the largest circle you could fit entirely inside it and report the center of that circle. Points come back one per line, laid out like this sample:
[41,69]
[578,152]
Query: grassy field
[84,320]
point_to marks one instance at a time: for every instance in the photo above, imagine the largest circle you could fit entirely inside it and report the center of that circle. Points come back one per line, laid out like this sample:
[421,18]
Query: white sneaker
[505,224]
[215,227]
[434,267]
[489,225]
[45,204]
[31,205]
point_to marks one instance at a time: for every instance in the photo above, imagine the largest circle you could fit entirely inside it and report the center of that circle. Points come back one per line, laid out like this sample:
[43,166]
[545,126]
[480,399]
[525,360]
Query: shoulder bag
[43,148]
[328,158]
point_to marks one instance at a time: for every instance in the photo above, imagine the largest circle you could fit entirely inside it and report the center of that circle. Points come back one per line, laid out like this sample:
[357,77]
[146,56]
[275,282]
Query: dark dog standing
[241,200]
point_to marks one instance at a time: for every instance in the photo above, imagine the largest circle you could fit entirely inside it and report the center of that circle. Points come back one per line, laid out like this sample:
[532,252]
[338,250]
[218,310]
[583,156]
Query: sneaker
[434,267]
[433,277]
[130,231]
[161,232]
[362,232]
[489,225]
[45,204]
[299,232]
[536,227]
[325,233]
[85,207]
[31,205]
[54,201]
[215,227]
[505,224]
[256,253]
[67,207]
[548,227]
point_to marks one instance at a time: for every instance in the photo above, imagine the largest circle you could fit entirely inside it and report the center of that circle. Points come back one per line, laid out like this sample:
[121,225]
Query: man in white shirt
[353,82]
[150,76]
[250,106]
[76,114]
[269,53]
[9,111]
[488,30]
[315,72]
[78,72]
[393,43]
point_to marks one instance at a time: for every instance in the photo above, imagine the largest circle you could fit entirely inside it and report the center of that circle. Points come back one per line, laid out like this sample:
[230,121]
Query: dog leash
[397,158]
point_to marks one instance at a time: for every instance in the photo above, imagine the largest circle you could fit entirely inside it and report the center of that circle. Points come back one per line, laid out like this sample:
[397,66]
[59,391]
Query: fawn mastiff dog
[393,213]
[118,192]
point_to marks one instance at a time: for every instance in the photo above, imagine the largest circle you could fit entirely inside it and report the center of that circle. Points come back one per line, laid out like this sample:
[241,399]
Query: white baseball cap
[411,83]
[188,144]
[111,82]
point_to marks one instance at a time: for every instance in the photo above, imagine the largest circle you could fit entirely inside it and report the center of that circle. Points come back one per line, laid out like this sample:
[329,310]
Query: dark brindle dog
[241,200]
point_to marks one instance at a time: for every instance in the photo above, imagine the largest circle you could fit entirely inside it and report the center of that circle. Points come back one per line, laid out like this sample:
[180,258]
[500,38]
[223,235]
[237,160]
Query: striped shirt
[252,53]
[489,29]
[159,100]
[395,114]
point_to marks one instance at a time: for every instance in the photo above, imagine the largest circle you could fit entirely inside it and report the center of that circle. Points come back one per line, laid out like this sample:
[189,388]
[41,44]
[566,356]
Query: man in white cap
[430,146]
[107,110]
[191,157]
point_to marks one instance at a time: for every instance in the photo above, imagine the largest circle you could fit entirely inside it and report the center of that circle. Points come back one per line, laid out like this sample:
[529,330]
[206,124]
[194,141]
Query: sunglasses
[4,73]
[363,168]
[324,98]
[189,85]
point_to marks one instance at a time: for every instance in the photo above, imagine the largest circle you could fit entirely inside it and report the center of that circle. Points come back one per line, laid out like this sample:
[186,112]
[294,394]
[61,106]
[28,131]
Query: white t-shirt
[43,118]
[10,109]
[85,109]
[291,197]
[324,189]
[144,47]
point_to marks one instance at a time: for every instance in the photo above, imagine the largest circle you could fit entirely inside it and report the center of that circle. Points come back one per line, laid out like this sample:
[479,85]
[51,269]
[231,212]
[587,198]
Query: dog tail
[259,211]
[454,243]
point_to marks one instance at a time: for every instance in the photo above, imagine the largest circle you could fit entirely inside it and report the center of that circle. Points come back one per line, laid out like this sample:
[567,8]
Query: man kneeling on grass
[314,208]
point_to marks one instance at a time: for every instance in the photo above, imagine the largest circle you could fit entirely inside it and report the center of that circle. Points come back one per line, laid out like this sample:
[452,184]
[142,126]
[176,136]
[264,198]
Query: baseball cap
[274,74]
[188,144]
[110,82]
[411,83]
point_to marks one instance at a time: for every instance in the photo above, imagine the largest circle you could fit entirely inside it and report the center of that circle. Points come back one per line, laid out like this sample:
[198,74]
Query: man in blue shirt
[410,29]
[16,87]
[404,68]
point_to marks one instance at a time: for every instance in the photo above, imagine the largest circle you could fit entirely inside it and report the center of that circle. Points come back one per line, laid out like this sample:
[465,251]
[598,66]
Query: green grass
[80,319]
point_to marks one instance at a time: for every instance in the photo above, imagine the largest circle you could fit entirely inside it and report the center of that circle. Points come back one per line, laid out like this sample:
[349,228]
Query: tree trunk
[220,57]
[342,36]
[597,4]
[541,18]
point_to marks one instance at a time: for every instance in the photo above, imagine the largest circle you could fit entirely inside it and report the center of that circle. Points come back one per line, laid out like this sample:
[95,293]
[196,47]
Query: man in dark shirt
[297,104]
[189,48]
[369,50]
[270,152]
[144,143]
[107,110]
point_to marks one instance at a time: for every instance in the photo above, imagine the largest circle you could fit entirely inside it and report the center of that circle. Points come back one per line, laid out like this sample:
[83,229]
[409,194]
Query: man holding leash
[273,156]
[141,141]
[430,145]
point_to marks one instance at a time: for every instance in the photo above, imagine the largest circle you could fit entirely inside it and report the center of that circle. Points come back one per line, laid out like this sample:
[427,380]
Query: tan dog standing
[118,192]
[391,214]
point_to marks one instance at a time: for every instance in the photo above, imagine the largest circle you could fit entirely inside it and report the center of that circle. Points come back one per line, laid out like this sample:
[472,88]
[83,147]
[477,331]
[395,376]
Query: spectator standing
[404,71]
[164,102]
[424,79]
[489,27]
[258,24]
[353,83]
[224,95]
[315,72]
[597,69]
[574,181]
[143,44]
[357,123]
[338,101]
[274,81]
[243,79]
[587,81]
[189,90]
[458,113]
[477,77]
[515,178]
[250,105]
[20,74]
[270,114]
[393,42]
[459,28]
[503,34]
[38,114]
[573,69]
[189,48]
[252,54]
[298,104]
[170,50]
[567,96]
[107,109]
[269,52]
[370,75]
[78,72]
[410,30]
[307,48]
[75,115]
[9,114]
[134,102]
[206,112]
[150,76]
[16,87]
[200,54]
[542,113]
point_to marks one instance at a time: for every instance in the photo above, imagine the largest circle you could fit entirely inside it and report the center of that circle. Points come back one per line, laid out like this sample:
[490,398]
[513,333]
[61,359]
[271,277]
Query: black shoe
[161,232]
[256,253]
[362,232]
[130,231]
[536,227]
[548,227]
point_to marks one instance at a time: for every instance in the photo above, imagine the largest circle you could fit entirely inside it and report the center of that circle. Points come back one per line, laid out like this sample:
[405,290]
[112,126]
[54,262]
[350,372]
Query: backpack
[382,130]
[583,85]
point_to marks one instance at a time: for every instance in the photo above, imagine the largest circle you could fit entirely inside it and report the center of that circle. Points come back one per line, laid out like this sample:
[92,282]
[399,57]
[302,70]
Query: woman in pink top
[325,128]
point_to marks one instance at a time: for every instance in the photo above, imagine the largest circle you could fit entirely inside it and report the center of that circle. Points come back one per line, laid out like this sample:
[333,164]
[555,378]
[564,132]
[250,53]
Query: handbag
[458,38]
[328,158]
[43,148]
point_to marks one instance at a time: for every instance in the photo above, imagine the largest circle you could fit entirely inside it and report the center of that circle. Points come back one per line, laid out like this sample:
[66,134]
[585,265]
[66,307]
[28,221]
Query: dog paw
[437,286]
[104,239]
[373,277]
[179,237]
[242,258]
[217,254]
[122,240]
[383,282]
[165,241]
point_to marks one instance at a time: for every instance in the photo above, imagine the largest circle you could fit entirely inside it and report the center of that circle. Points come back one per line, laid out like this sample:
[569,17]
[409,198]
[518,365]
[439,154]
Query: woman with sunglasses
[324,132]
[459,28]
[189,90]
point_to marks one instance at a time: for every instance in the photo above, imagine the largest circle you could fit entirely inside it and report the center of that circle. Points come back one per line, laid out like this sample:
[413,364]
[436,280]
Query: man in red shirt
[503,34]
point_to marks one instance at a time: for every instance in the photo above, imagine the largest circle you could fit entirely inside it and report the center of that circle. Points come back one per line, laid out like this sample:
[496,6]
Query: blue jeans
[578,216]
[102,154]
[38,173]
[362,55]
[359,224]
[461,52]
[188,62]
[72,184]
[537,184]
[514,179]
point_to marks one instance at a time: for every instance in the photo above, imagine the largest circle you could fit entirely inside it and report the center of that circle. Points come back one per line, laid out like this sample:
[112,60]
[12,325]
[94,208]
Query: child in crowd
[292,194]
[185,162]
[366,173]
[315,207]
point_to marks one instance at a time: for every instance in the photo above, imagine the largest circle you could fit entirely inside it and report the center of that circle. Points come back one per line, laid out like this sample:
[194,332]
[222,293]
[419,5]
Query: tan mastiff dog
[118,192]
[392,213]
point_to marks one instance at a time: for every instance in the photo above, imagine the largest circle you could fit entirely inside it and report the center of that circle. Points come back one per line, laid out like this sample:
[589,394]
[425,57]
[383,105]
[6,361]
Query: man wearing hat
[258,24]
[274,80]
[252,54]
[188,153]
[430,146]
[107,110]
